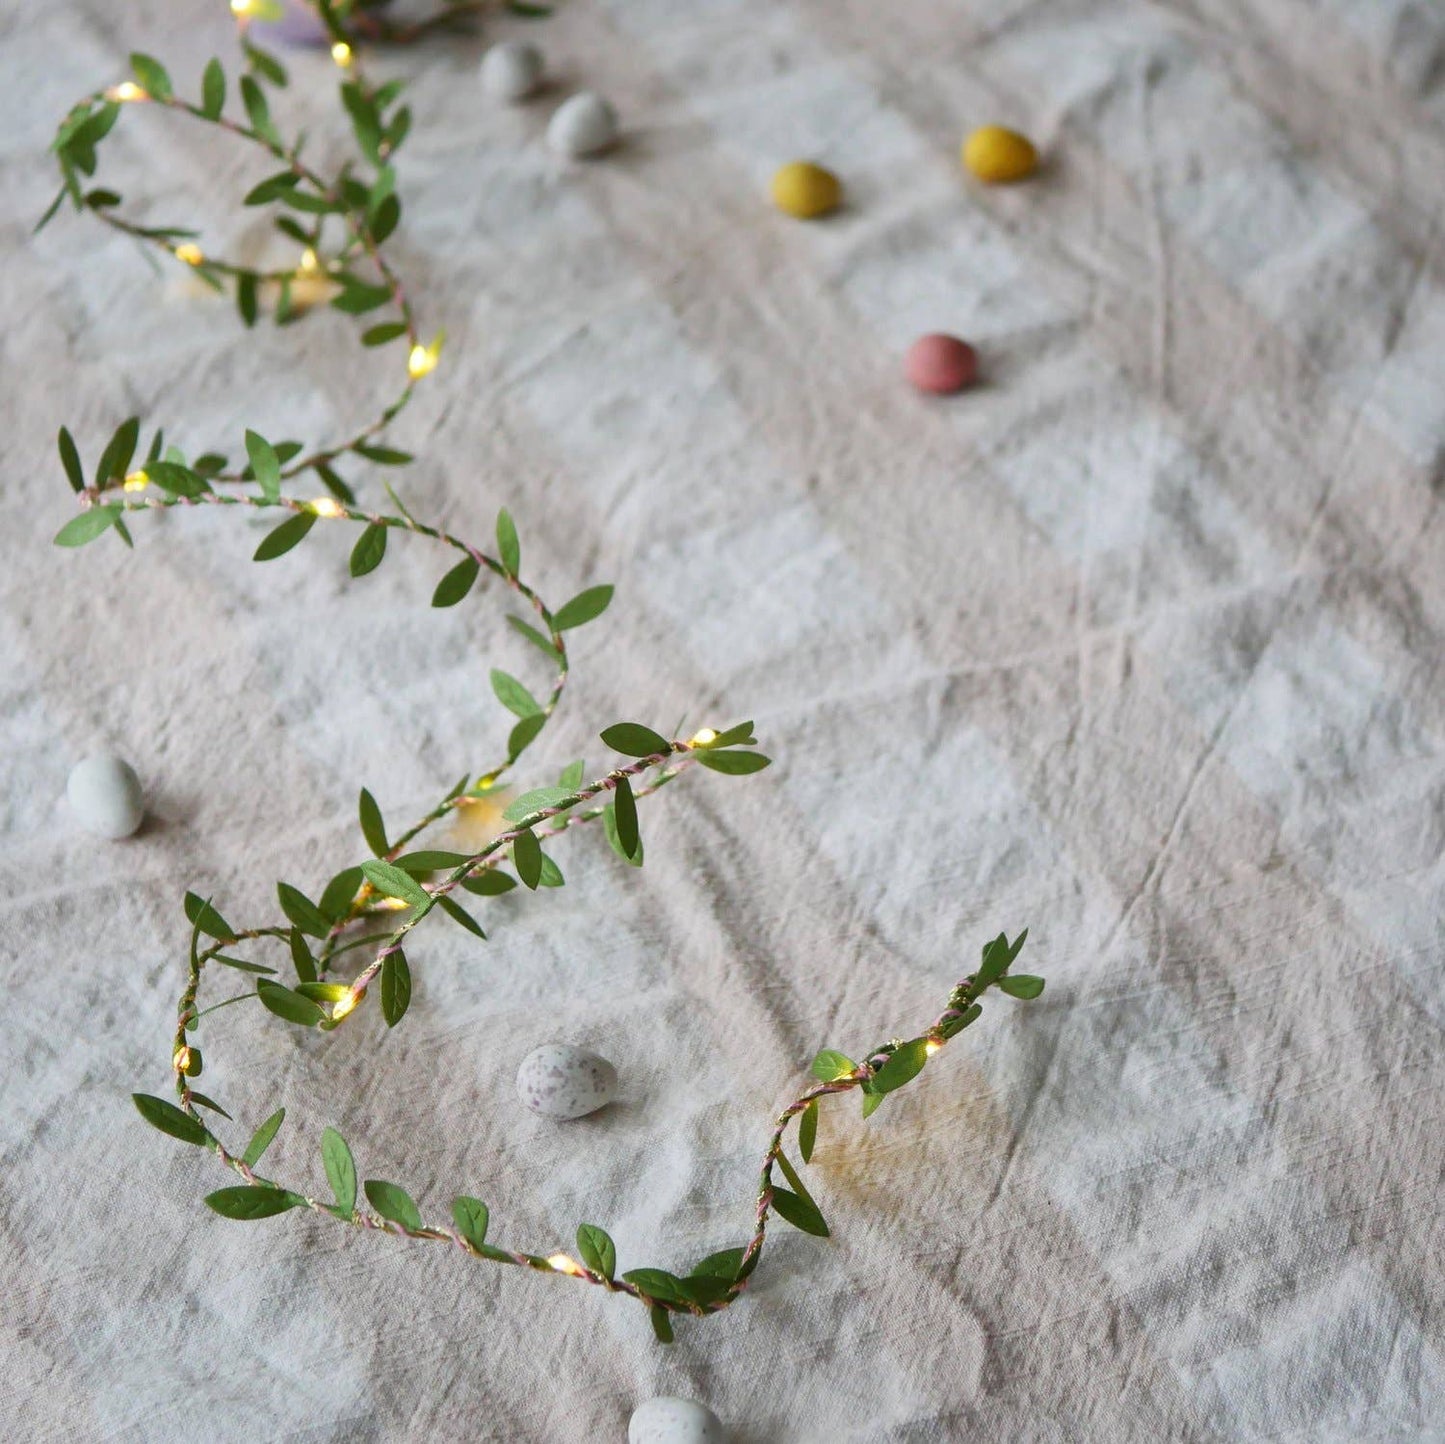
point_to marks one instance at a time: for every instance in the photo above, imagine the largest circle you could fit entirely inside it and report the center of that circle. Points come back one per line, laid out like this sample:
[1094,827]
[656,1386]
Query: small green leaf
[301,958]
[471,1218]
[953,1026]
[1022,985]
[459,915]
[87,526]
[198,1097]
[456,584]
[269,189]
[70,460]
[808,1131]
[383,455]
[742,733]
[356,297]
[633,740]
[551,873]
[288,1005]
[340,1169]
[513,695]
[658,1284]
[429,860]
[871,1102]
[830,1065]
[384,222]
[169,1119]
[241,965]
[302,911]
[661,1324]
[527,858]
[265,464]
[336,900]
[281,539]
[994,965]
[525,10]
[261,1138]
[152,75]
[200,912]
[380,335]
[509,549]
[213,90]
[323,992]
[370,547]
[598,1251]
[386,877]
[799,1212]
[524,734]
[373,828]
[395,988]
[733,764]
[541,643]
[488,882]
[624,816]
[251,1203]
[903,1065]
[609,826]
[535,801]
[571,778]
[257,111]
[725,1264]
[393,1203]
[582,608]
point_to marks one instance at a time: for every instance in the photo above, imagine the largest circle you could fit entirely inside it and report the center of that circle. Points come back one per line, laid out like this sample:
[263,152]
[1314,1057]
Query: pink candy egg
[941,364]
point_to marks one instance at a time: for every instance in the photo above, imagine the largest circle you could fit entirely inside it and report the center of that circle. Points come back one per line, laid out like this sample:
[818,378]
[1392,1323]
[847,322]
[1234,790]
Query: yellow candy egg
[997,156]
[805,190]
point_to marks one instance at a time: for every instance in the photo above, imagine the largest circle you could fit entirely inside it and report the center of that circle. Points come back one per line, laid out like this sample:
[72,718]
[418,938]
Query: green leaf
[633,740]
[799,1212]
[903,1066]
[830,1065]
[340,1169]
[808,1131]
[582,608]
[179,480]
[471,1218]
[536,800]
[743,732]
[198,1097]
[265,465]
[551,873]
[457,583]
[340,891]
[734,764]
[609,826]
[301,958]
[458,914]
[953,1026]
[395,988]
[386,877]
[509,549]
[251,1203]
[213,90]
[571,778]
[527,858]
[384,222]
[661,1324]
[525,10]
[541,643]
[429,860]
[269,189]
[70,460]
[598,1251]
[513,695]
[380,335]
[261,1138]
[288,1005]
[871,1102]
[302,911]
[87,526]
[624,818]
[257,111]
[334,484]
[1022,985]
[241,965]
[152,75]
[200,912]
[357,297]
[169,1119]
[658,1284]
[488,882]
[524,734]
[373,828]
[323,992]
[281,539]
[725,1264]
[393,1203]
[383,455]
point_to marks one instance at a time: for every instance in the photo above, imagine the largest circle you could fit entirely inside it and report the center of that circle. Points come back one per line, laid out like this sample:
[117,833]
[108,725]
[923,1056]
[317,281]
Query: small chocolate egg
[666,1420]
[582,125]
[805,190]
[511,70]
[941,364]
[997,156]
[105,794]
[560,1081]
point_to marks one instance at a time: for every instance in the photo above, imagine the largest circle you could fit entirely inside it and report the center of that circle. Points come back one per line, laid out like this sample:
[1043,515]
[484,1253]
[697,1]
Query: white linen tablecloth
[1138,645]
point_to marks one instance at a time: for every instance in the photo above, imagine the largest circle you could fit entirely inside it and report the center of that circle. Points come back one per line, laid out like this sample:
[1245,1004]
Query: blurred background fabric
[1138,645]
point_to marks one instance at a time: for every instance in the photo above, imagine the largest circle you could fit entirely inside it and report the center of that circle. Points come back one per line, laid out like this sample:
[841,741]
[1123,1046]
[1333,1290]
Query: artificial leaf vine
[371,906]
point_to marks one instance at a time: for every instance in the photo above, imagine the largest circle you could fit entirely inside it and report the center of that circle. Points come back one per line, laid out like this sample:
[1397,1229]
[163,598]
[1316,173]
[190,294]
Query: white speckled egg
[582,125]
[560,1081]
[105,794]
[674,1421]
[511,70]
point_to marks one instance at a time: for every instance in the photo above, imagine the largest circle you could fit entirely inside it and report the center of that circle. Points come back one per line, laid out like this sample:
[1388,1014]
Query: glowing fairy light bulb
[136,481]
[341,54]
[420,363]
[565,1265]
[326,506]
[704,738]
[181,1062]
[393,904]
[309,263]
[127,90]
[345,1005]
[190,253]
[932,1046]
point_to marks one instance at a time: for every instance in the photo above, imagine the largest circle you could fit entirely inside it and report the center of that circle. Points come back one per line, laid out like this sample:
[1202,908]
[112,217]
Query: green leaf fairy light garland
[360,907]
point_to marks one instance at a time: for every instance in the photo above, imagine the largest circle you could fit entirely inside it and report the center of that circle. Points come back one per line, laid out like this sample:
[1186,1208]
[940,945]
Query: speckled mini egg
[582,125]
[998,156]
[674,1421]
[511,70]
[560,1081]
[105,795]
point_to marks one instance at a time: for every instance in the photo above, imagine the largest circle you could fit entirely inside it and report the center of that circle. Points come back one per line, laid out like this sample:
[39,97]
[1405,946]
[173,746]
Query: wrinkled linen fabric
[1137,645]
